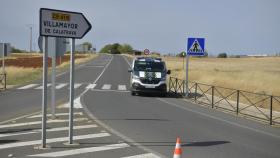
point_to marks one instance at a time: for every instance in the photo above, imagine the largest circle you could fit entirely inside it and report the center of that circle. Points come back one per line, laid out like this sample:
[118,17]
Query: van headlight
[135,77]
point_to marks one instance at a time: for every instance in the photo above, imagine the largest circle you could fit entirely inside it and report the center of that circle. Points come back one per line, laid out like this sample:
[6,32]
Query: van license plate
[150,86]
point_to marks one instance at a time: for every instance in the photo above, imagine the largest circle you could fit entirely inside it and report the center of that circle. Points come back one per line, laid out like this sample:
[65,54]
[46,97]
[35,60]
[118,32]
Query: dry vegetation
[261,75]
[22,75]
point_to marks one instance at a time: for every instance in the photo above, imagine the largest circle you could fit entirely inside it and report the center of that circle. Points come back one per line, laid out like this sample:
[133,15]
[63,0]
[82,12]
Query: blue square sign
[195,46]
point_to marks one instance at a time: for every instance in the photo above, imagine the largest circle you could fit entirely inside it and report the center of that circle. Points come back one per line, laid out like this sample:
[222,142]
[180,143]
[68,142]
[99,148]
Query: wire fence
[256,105]
[3,81]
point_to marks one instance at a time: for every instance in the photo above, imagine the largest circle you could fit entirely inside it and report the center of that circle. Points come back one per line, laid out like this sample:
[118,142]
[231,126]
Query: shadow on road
[8,141]
[166,144]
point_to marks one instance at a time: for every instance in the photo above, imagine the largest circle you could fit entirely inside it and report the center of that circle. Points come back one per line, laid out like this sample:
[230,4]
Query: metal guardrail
[3,81]
[261,106]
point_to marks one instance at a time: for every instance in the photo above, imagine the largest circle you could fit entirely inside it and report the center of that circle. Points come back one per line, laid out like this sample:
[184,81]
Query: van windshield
[148,66]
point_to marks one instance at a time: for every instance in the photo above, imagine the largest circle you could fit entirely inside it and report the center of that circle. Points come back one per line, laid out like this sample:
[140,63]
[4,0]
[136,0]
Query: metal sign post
[44,93]
[187,75]
[3,59]
[53,84]
[71,100]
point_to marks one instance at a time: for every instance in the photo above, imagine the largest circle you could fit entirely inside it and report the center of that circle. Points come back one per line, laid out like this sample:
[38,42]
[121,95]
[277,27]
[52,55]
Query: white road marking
[110,90]
[122,87]
[148,155]
[38,122]
[106,87]
[49,130]
[91,86]
[53,140]
[58,114]
[77,104]
[41,87]
[77,85]
[61,85]
[28,86]
[217,118]
[83,150]
[112,57]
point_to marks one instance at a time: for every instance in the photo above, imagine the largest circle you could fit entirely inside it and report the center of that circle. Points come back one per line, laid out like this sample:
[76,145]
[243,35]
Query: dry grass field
[259,75]
[17,75]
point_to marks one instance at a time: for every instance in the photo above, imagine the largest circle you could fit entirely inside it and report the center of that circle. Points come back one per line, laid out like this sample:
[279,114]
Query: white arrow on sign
[59,23]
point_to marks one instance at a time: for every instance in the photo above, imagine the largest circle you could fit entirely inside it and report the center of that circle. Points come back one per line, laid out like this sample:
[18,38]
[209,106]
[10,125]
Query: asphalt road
[149,123]
[155,122]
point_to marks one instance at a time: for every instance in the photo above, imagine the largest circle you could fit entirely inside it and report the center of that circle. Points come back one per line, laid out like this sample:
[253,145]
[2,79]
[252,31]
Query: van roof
[150,59]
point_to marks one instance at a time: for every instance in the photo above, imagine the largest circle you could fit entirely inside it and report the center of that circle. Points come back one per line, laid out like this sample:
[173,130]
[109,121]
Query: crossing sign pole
[195,47]
[187,75]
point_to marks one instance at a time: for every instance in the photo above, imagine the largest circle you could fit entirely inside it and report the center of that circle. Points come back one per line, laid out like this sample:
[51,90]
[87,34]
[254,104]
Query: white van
[148,75]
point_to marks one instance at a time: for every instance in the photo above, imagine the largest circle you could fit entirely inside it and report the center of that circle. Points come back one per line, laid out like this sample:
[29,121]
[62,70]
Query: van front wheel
[133,93]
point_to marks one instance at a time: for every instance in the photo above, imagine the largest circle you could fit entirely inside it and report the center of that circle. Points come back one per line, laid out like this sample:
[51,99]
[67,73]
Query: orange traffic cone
[178,150]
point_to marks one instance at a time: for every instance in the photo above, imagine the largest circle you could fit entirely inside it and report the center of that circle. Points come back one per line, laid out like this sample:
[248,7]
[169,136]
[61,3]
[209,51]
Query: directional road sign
[195,46]
[59,23]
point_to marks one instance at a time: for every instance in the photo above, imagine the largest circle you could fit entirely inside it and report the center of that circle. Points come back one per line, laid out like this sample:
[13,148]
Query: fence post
[183,87]
[237,102]
[169,84]
[195,93]
[212,96]
[176,83]
[271,102]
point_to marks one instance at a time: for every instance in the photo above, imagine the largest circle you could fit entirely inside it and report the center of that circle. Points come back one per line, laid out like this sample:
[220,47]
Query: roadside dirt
[35,61]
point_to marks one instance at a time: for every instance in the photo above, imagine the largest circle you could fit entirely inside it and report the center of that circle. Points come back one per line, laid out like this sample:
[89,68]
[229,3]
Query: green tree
[126,48]
[182,54]
[88,44]
[106,49]
[222,55]
[15,50]
[117,48]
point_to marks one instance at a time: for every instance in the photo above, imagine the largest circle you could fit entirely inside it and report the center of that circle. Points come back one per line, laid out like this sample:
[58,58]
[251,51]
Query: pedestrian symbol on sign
[195,46]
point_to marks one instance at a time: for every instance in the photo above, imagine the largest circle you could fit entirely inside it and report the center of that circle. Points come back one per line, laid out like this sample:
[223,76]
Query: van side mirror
[129,70]
[168,72]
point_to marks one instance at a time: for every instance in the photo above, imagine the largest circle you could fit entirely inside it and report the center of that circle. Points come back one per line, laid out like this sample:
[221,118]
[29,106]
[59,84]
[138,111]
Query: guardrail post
[237,102]
[5,80]
[212,96]
[271,102]
[176,83]
[183,87]
[170,80]
[195,92]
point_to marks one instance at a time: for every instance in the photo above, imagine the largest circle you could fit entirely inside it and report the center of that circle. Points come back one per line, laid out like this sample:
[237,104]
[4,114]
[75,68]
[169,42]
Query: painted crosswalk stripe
[148,155]
[61,85]
[58,114]
[53,140]
[83,150]
[41,87]
[49,130]
[28,86]
[106,86]
[77,85]
[122,87]
[38,122]
[91,86]
[77,104]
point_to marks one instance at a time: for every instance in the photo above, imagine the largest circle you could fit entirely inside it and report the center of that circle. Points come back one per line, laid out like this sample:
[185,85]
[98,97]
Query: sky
[231,26]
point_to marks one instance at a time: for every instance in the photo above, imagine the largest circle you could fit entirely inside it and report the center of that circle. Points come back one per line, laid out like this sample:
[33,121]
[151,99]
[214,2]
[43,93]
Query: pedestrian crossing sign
[195,46]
